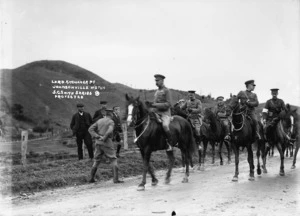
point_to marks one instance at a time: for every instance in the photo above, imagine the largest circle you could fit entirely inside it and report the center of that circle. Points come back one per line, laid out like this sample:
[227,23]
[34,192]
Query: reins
[147,118]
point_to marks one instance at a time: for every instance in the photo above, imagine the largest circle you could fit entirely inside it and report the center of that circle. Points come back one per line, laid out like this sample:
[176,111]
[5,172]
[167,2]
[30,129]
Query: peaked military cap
[220,97]
[191,91]
[274,90]
[80,105]
[103,102]
[250,82]
[159,76]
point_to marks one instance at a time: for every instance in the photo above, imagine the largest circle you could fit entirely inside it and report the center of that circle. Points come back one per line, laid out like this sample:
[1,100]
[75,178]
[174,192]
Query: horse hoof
[235,179]
[281,174]
[154,183]
[185,180]
[167,181]
[293,167]
[251,178]
[141,188]
[259,172]
[265,171]
[221,163]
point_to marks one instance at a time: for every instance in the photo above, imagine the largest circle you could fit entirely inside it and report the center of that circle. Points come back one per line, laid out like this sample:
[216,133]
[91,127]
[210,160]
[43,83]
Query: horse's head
[235,106]
[289,118]
[134,110]
[208,115]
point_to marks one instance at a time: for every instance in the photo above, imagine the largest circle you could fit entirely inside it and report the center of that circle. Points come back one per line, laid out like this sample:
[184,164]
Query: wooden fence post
[125,139]
[24,137]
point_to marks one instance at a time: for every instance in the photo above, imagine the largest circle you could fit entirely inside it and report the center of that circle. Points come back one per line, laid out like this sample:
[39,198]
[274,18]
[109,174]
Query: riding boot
[118,150]
[93,173]
[169,141]
[116,175]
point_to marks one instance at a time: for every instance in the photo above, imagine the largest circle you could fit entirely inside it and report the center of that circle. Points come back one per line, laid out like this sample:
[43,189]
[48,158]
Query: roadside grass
[48,171]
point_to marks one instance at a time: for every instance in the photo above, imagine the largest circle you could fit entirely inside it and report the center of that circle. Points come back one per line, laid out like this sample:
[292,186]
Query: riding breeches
[226,125]
[165,120]
[253,116]
[196,123]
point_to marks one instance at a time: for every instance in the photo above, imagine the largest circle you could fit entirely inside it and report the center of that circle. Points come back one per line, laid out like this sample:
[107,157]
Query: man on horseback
[162,105]
[249,99]
[221,112]
[271,112]
[194,108]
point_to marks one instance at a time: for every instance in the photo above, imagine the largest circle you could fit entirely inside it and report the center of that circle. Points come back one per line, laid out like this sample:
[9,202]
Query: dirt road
[209,192]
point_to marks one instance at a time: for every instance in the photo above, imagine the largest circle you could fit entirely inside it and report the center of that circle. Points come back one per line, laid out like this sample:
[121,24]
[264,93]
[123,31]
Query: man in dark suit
[101,113]
[117,129]
[81,121]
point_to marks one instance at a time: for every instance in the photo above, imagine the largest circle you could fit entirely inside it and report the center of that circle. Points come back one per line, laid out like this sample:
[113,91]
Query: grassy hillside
[31,86]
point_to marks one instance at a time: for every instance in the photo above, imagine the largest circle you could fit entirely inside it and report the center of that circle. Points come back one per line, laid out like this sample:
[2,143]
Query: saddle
[157,118]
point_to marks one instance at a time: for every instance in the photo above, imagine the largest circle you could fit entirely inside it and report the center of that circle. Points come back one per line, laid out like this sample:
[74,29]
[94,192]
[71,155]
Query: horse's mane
[289,111]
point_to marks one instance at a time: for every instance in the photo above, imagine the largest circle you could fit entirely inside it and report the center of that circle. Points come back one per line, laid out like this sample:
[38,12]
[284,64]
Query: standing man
[249,99]
[81,121]
[101,112]
[117,128]
[221,112]
[271,111]
[162,105]
[194,108]
[102,131]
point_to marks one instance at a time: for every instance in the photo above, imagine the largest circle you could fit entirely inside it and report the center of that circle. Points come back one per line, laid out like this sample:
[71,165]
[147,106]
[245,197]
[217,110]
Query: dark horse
[243,136]
[285,134]
[151,137]
[215,134]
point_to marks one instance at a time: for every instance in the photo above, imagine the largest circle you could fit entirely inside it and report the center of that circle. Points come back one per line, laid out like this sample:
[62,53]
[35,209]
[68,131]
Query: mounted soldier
[162,107]
[193,107]
[249,100]
[222,113]
[177,109]
[271,112]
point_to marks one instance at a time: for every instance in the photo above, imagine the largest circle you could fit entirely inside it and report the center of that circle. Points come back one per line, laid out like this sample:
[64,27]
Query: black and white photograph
[149,107]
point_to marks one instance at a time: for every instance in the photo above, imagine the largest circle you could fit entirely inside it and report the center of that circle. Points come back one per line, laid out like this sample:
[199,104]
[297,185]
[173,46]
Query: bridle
[242,113]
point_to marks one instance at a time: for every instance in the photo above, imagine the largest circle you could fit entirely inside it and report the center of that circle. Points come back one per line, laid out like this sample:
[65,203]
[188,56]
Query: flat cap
[191,91]
[80,105]
[220,98]
[250,82]
[274,89]
[159,76]
[103,102]
[109,110]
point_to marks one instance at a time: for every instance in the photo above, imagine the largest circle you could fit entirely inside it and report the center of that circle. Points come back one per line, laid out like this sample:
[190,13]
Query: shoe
[118,181]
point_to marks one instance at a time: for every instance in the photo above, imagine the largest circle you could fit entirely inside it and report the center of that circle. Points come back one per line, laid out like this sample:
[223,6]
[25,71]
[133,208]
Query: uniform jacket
[101,128]
[194,107]
[221,110]
[272,108]
[74,125]
[248,95]
[162,98]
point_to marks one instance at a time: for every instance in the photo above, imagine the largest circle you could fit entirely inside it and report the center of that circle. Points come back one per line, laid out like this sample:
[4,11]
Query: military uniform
[271,112]
[249,99]
[222,113]
[117,131]
[194,109]
[102,130]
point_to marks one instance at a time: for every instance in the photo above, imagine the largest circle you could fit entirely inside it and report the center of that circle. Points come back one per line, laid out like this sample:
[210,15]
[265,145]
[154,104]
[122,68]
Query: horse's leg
[250,161]
[228,147]
[287,152]
[220,152]
[213,151]
[295,155]
[182,160]
[264,156]
[205,143]
[171,164]
[291,151]
[146,159]
[187,172]
[281,149]
[272,154]
[151,172]
[259,147]
[236,153]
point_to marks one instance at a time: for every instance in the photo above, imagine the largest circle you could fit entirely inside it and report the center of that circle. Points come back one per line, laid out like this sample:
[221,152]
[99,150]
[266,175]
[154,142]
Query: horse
[151,137]
[285,134]
[215,134]
[243,135]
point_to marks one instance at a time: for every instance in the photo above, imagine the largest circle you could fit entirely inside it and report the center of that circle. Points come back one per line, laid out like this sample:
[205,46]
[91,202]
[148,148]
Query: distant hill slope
[31,86]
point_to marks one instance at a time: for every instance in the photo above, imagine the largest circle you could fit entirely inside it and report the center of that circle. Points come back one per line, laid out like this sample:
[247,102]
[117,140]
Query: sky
[210,46]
